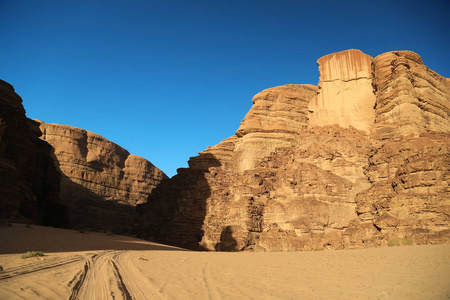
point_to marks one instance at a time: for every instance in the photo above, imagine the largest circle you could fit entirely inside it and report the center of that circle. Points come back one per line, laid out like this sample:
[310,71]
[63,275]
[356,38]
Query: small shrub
[393,242]
[109,233]
[1,268]
[5,223]
[408,241]
[84,230]
[32,254]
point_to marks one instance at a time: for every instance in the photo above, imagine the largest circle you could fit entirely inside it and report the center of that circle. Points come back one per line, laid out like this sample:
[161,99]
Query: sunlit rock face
[101,182]
[355,162]
[346,95]
[278,114]
[411,98]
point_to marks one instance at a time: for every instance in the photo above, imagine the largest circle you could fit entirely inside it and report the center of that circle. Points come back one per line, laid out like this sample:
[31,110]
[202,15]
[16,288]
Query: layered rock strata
[278,114]
[411,98]
[101,182]
[355,162]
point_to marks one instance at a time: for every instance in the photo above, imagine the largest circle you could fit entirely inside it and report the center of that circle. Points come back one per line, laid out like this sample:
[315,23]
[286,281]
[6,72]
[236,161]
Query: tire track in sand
[38,266]
[111,275]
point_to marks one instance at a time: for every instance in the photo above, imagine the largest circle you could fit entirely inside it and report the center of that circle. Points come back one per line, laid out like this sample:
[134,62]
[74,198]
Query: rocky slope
[361,159]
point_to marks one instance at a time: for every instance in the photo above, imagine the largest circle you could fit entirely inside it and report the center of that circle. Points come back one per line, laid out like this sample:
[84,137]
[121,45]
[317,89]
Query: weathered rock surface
[29,181]
[346,95]
[360,160]
[411,98]
[101,182]
[275,118]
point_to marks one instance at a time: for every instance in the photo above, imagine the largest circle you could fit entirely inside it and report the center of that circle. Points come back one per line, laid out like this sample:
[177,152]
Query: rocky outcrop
[410,193]
[275,118]
[411,98]
[359,160]
[346,95]
[29,181]
[101,182]
[292,196]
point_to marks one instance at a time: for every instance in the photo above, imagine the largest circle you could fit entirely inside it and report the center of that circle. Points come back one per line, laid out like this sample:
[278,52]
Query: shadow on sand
[20,238]
[227,241]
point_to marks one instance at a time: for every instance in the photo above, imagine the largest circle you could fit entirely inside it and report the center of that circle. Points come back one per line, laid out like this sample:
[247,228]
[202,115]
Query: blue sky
[166,79]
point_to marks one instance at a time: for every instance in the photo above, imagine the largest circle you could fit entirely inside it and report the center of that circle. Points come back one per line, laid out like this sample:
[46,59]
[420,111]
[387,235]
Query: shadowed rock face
[101,182]
[29,181]
[65,176]
[359,160]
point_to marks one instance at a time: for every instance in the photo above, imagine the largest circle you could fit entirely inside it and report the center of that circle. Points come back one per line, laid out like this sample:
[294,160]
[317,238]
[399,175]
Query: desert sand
[100,266]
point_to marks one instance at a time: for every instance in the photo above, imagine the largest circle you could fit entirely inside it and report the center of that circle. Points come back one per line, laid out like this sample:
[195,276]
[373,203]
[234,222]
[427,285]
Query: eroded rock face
[292,196]
[354,163]
[410,193]
[101,182]
[29,181]
[275,118]
[411,98]
[346,95]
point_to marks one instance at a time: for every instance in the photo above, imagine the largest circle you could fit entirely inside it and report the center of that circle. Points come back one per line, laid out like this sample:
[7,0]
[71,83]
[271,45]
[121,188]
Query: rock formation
[355,162]
[346,97]
[277,115]
[358,160]
[101,182]
[65,176]
[29,181]
[411,98]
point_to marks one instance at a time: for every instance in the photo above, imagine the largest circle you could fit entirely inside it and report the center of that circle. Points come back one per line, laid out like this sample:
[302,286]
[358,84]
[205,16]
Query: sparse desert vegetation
[407,241]
[29,254]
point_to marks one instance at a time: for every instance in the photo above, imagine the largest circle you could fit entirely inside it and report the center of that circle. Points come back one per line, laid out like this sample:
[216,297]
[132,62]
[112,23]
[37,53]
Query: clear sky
[165,79]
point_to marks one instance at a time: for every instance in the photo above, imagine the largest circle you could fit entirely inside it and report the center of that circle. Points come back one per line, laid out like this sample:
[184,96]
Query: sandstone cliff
[277,115]
[101,182]
[358,160]
[29,181]
[345,96]
[65,176]
[411,98]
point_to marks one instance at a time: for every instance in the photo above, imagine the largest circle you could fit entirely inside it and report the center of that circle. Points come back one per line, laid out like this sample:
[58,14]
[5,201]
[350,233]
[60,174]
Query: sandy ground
[99,266]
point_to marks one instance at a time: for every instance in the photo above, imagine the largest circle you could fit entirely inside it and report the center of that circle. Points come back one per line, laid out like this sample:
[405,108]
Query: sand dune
[98,266]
